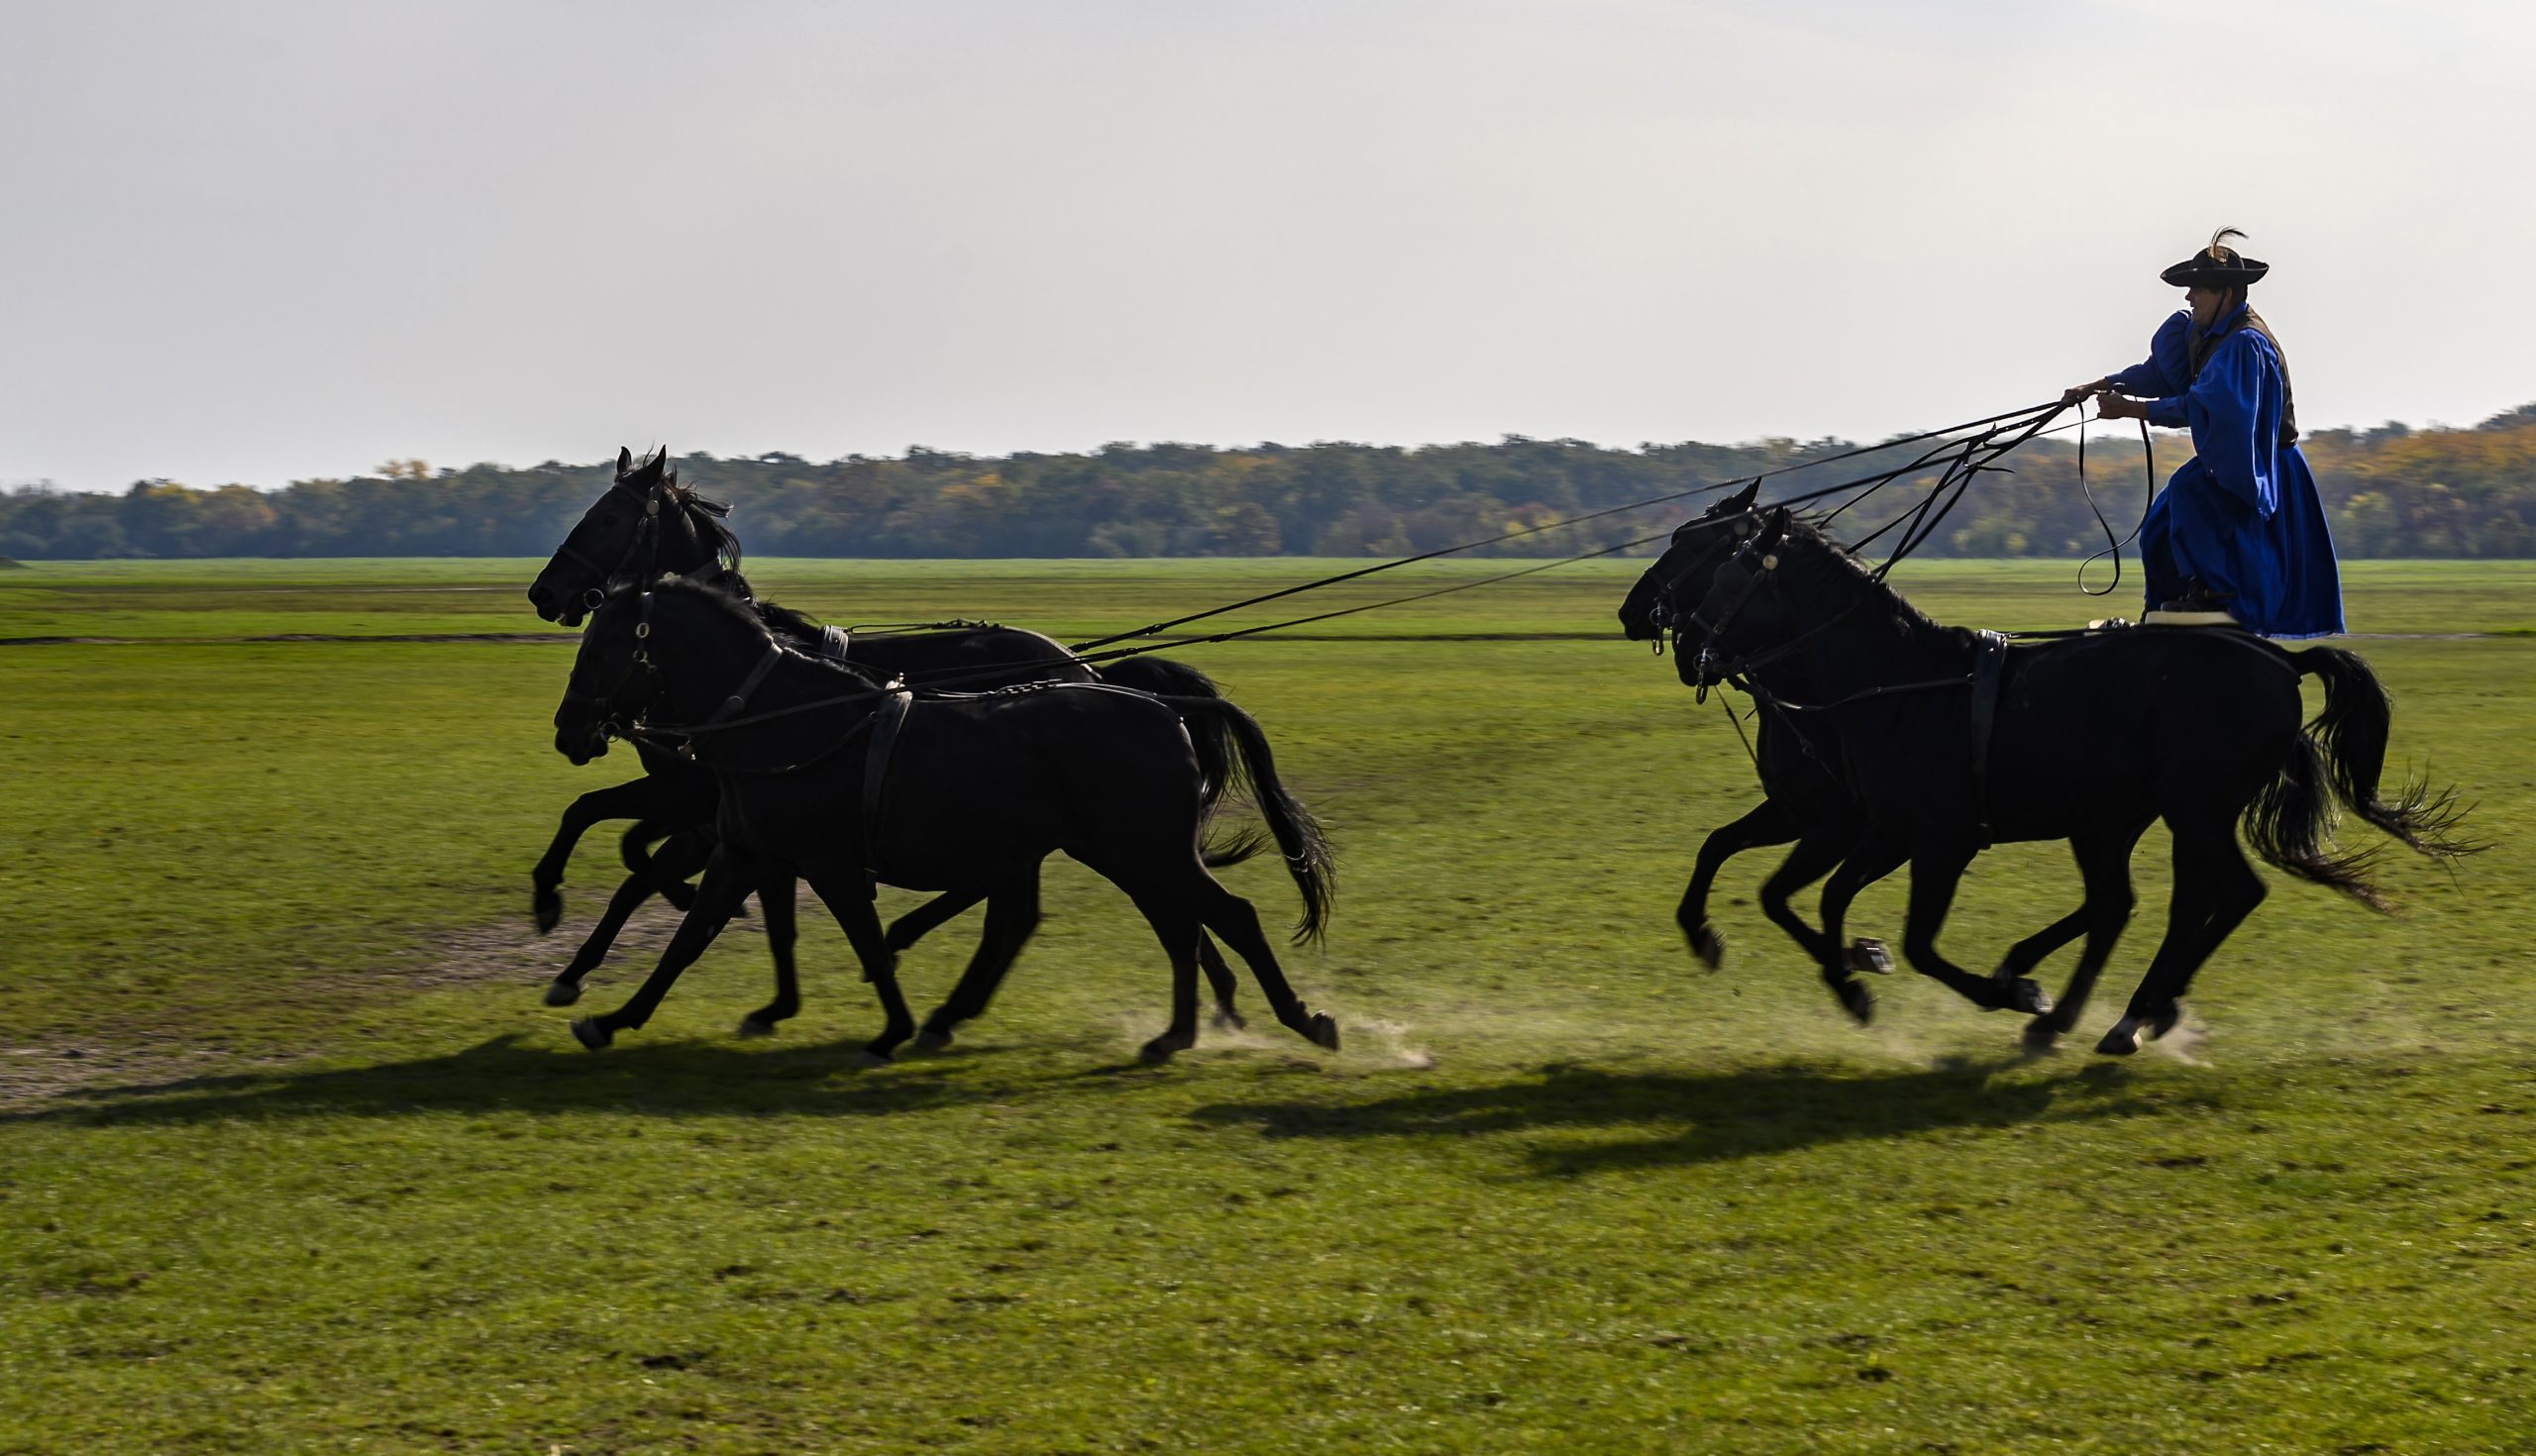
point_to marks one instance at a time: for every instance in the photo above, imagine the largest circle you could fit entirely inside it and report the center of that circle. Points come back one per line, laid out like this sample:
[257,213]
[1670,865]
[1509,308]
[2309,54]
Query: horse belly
[961,805]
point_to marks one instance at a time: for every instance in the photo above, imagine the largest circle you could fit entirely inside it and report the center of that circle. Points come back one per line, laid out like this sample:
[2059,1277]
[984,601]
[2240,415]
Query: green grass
[324,1176]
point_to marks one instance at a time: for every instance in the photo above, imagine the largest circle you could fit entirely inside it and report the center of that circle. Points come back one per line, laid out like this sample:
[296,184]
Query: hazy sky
[265,241]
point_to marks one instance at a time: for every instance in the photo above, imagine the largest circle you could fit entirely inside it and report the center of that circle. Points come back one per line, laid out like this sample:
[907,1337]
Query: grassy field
[293,1159]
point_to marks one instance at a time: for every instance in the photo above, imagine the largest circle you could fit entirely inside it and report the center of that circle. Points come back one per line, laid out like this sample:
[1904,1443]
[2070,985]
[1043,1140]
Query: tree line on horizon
[2391,491]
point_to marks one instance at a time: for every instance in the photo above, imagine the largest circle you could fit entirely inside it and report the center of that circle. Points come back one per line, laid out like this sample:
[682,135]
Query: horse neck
[724,651]
[702,655]
[1854,642]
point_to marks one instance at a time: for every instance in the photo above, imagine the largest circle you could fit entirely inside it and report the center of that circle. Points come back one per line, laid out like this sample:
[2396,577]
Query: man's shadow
[1686,1118]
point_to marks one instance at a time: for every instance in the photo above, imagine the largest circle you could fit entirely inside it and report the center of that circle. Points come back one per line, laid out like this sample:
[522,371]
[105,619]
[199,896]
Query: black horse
[647,523]
[1807,802]
[826,772]
[2089,739]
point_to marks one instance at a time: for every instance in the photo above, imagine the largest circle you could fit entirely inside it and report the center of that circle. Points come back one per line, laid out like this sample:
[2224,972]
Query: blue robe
[2243,514]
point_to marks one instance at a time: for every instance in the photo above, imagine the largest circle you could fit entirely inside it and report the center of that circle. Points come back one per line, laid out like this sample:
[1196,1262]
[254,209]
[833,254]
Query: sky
[263,242]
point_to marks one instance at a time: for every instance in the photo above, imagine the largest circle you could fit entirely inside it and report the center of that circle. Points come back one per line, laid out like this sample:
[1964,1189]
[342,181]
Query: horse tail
[1298,834]
[1207,735]
[2290,824]
[2352,731]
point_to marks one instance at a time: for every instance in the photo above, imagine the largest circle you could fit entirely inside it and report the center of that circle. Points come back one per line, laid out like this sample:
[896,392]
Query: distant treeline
[2391,491]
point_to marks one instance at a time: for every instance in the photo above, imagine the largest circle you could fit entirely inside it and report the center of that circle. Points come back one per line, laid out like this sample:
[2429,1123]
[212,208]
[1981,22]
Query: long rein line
[1158,628]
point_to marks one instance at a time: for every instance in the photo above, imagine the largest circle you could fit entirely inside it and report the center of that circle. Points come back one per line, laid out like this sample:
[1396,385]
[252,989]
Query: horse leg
[1012,913]
[727,878]
[2226,890]
[1813,857]
[1219,982]
[1877,853]
[775,902]
[2188,911]
[566,989]
[843,889]
[925,918]
[1769,823]
[1936,872]
[631,800]
[2104,863]
[1176,925]
[634,849]
[1237,921]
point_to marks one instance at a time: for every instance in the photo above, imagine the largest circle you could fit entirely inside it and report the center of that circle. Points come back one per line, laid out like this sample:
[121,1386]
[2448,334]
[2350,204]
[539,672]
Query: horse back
[967,659]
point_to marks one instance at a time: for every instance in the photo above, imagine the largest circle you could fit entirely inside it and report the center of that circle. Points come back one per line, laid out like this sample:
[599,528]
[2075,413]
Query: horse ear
[1742,500]
[624,460]
[1776,529]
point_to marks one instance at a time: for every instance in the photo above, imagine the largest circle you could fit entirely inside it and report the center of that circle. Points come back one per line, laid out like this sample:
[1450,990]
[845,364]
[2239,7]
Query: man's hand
[2076,392]
[2116,407]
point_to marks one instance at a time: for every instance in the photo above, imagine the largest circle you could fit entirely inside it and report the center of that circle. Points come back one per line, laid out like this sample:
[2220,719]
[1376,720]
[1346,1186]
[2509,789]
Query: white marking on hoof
[2123,1039]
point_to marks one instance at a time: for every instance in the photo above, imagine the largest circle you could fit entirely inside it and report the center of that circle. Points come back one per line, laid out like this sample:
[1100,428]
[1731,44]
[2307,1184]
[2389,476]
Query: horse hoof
[1709,946]
[1855,999]
[1163,1048]
[561,992]
[1871,956]
[1324,1032]
[1229,1020]
[588,1031]
[754,1025]
[929,1040]
[2041,1036]
[2028,996]
[548,907]
[2164,1021]
[2122,1040]
[867,1059]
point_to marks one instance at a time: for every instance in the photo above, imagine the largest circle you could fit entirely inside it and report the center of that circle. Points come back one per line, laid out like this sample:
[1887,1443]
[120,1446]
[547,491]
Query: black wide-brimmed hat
[2217,265]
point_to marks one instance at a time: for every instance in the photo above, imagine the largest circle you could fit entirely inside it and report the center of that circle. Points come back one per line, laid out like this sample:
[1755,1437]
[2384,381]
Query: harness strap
[1989,661]
[739,697]
[886,723]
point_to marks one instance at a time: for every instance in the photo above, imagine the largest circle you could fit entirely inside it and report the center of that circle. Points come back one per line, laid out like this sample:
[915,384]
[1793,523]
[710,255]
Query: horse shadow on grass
[513,1073]
[1678,1118]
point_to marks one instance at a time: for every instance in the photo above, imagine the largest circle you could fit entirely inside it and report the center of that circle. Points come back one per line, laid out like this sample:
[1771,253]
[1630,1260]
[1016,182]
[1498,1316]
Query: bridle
[648,531]
[1754,564]
[613,721]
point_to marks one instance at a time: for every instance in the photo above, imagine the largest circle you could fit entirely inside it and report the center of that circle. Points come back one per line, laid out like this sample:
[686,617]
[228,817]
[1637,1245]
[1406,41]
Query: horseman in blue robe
[2239,536]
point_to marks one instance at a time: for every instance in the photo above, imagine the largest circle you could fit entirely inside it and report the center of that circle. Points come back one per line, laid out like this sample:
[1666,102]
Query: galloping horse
[644,524]
[940,791]
[2087,739]
[1798,756]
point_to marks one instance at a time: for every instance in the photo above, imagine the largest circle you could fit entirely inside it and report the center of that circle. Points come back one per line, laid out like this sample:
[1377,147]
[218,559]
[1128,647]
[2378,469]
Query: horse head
[645,523]
[613,676]
[1681,576]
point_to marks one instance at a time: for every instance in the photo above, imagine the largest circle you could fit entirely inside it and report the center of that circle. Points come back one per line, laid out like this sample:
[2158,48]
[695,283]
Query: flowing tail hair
[2342,754]
[1252,768]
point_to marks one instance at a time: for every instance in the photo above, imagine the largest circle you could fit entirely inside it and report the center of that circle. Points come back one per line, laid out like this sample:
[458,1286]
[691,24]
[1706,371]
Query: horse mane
[706,516]
[1831,558]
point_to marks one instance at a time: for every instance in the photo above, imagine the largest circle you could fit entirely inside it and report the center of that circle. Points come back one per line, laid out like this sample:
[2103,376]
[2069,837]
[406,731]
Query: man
[2239,536]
